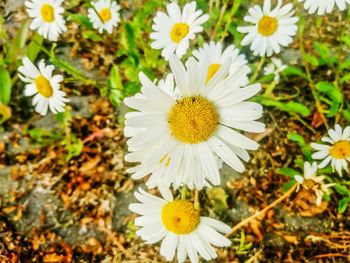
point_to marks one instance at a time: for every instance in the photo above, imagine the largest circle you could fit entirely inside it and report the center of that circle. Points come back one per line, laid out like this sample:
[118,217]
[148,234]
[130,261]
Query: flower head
[214,53]
[173,31]
[180,227]
[336,152]
[43,85]
[275,67]
[324,6]
[104,15]
[311,181]
[272,28]
[177,134]
[48,20]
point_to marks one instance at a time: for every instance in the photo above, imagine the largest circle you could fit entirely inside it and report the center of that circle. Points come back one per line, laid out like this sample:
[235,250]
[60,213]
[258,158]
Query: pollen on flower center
[105,15]
[43,86]
[267,25]
[340,150]
[213,68]
[47,13]
[180,217]
[178,32]
[193,119]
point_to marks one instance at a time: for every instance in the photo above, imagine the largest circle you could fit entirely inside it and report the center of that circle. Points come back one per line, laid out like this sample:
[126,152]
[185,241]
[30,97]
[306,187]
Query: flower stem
[262,212]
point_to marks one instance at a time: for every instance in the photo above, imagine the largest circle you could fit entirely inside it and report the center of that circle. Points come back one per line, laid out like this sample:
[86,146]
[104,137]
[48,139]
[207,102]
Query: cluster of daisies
[185,126]
[335,151]
[49,22]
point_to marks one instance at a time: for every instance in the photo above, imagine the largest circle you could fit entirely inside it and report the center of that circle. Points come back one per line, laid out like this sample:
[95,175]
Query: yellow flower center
[43,86]
[340,150]
[213,68]
[47,13]
[180,217]
[267,25]
[105,15]
[178,32]
[309,184]
[193,119]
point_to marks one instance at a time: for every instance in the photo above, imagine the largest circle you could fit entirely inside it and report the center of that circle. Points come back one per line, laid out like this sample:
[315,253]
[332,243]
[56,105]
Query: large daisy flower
[311,181]
[48,20]
[217,56]
[272,28]
[104,15]
[44,85]
[324,6]
[337,152]
[180,227]
[186,128]
[172,32]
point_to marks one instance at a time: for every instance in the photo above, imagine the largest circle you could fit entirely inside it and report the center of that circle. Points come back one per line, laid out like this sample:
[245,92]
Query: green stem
[258,69]
[308,72]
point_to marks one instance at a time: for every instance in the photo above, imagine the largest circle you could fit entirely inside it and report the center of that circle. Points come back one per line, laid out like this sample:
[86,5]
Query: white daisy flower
[216,56]
[48,19]
[324,6]
[44,85]
[275,67]
[185,129]
[173,32]
[180,227]
[337,153]
[310,180]
[272,28]
[104,15]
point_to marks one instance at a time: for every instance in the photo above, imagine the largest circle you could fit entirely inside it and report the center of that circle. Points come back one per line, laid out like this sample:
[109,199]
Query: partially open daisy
[172,32]
[180,227]
[337,152]
[311,181]
[272,28]
[187,130]
[275,67]
[104,15]
[214,53]
[324,6]
[48,20]
[44,85]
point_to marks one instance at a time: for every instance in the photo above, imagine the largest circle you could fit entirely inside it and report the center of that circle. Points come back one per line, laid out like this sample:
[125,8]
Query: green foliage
[335,96]
[43,136]
[290,107]
[243,247]
[5,86]
[115,86]
[218,199]
[74,147]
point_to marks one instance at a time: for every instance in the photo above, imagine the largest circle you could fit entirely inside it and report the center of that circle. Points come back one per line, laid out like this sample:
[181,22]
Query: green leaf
[289,185]
[311,60]
[330,90]
[74,148]
[342,189]
[294,71]
[297,108]
[34,46]
[218,198]
[296,138]
[345,78]
[287,172]
[5,86]
[130,36]
[343,205]
[81,20]
[346,114]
